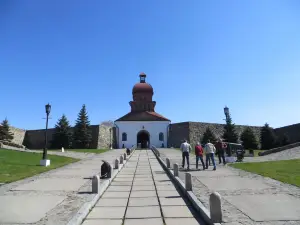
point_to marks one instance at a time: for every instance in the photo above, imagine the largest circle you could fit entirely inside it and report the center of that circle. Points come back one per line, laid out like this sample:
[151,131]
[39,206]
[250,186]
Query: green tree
[285,140]
[230,134]
[5,134]
[248,138]
[208,135]
[82,134]
[62,136]
[267,137]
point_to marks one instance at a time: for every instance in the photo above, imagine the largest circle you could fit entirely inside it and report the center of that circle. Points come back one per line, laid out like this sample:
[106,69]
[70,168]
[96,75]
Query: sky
[198,55]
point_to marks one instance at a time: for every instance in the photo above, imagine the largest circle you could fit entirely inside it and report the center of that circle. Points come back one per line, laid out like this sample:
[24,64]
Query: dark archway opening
[143,139]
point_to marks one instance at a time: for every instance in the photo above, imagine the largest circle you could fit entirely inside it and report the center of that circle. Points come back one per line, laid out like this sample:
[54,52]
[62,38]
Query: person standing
[220,151]
[199,155]
[185,147]
[210,152]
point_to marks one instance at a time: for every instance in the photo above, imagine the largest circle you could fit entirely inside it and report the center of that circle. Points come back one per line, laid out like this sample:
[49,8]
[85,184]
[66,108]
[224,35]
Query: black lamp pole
[48,109]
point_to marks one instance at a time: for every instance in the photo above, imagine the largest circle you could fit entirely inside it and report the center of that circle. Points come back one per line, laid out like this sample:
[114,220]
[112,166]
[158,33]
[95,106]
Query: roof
[142,87]
[143,116]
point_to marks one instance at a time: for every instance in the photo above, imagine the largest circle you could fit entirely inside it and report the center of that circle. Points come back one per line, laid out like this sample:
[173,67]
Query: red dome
[142,88]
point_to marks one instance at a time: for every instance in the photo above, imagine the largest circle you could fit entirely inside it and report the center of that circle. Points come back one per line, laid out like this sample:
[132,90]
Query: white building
[142,127]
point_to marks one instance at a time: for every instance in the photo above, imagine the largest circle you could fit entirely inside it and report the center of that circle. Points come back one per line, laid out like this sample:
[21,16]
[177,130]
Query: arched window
[161,136]
[124,137]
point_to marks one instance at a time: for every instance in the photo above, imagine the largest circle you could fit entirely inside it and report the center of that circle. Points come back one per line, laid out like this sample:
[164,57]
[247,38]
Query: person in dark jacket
[199,155]
[220,151]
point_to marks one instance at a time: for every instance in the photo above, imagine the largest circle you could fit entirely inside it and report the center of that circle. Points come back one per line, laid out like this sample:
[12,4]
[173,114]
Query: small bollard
[215,207]
[188,182]
[116,164]
[176,169]
[124,156]
[121,159]
[168,163]
[95,184]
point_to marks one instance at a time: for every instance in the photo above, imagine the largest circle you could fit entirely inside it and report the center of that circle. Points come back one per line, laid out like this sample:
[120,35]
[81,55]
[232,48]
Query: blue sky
[198,55]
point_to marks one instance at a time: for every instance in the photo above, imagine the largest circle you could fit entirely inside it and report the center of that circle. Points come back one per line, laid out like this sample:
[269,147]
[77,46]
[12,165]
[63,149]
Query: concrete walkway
[54,197]
[247,198]
[142,194]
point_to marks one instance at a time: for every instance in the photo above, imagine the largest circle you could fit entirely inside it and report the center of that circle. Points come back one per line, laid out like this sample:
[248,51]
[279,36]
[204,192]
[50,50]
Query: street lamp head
[48,108]
[226,111]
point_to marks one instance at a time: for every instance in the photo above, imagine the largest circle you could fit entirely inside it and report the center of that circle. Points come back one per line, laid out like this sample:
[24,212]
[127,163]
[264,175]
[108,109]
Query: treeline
[267,139]
[79,137]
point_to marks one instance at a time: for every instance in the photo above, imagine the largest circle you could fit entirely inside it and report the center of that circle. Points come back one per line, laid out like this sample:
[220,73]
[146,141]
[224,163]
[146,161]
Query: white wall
[131,128]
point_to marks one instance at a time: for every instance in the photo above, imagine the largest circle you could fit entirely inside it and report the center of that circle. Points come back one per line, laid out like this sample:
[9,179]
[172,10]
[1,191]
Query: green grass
[96,151]
[15,165]
[287,171]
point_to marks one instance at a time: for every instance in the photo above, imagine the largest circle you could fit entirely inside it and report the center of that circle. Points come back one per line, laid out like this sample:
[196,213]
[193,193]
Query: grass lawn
[15,165]
[287,171]
[96,151]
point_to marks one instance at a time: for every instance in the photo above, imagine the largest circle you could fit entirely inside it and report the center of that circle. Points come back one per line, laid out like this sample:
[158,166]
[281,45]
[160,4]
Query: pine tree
[5,134]
[230,134]
[248,138]
[82,134]
[208,135]
[62,136]
[267,137]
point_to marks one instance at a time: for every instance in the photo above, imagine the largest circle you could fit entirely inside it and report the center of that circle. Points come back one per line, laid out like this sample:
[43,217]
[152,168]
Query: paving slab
[112,202]
[26,209]
[149,201]
[233,183]
[139,194]
[116,194]
[52,184]
[168,194]
[123,183]
[107,213]
[181,221]
[147,221]
[102,221]
[119,188]
[143,212]
[143,183]
[165,188]
[267,207]
[176,211]
[143,188]
[171,201]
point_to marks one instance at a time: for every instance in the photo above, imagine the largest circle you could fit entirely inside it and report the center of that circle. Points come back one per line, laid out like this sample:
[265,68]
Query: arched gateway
[142,124]
[143,139]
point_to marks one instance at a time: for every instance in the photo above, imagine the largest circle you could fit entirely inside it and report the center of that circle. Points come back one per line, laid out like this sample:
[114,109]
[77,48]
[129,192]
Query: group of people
[209,149]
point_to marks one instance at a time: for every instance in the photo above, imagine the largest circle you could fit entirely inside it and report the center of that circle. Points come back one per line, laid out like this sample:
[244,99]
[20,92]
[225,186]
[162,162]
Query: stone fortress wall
[104,135]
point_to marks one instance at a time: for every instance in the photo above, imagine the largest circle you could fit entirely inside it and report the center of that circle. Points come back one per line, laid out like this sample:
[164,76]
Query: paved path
[142,194]
[54,197]
[293,153]
[247,198]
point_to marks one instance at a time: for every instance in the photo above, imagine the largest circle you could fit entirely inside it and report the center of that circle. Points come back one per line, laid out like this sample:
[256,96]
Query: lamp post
[45,161]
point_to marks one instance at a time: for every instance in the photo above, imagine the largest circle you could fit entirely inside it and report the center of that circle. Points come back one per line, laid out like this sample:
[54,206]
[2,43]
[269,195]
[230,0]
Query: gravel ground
[231,214]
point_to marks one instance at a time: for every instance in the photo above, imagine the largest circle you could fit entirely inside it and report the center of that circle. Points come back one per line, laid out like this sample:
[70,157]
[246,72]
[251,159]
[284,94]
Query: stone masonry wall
[178,132]
[19,135]
[292,131]
[194,131]
[105,137]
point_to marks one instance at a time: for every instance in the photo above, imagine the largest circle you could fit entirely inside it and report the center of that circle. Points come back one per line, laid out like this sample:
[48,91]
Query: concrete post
[188,182]
[168,163]
[176,170]
[125,156]
[95,184]
[121,159]
[116,164]
[215,207]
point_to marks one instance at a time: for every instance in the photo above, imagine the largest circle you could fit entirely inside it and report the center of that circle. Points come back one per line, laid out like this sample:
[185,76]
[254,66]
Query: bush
[11,144]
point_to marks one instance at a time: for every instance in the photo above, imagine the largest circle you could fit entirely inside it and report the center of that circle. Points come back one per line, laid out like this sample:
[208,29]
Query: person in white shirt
[185,148]
[210,152]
